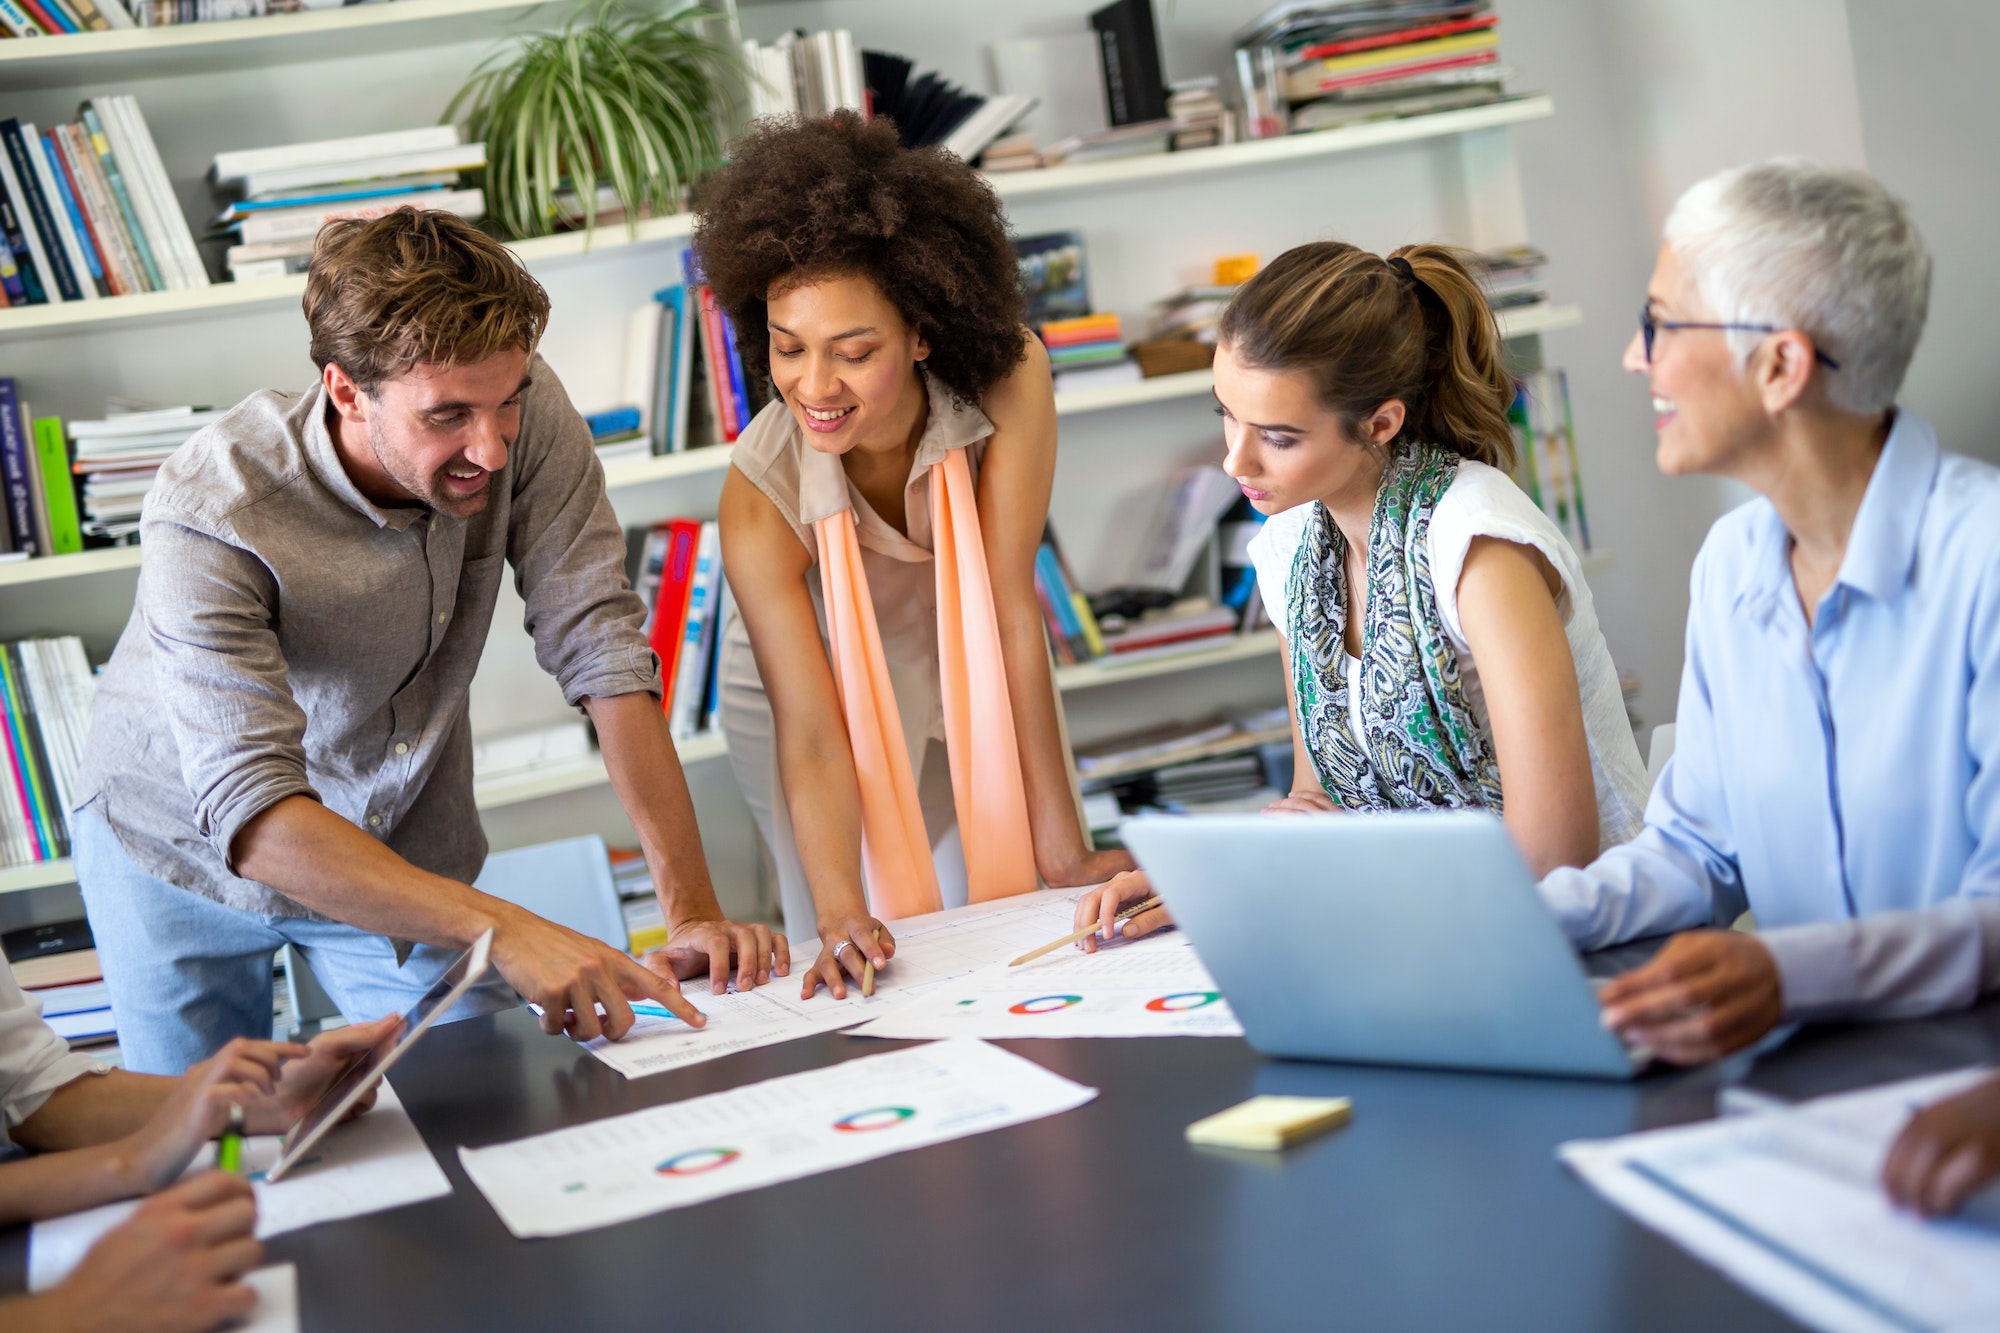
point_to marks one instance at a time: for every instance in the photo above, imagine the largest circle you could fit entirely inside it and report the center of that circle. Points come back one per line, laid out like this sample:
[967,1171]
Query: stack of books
[1187,623]
[1545,441]
[806,74]
[665,371]
[39,514]
[119,458]
[1318,64]
[1200,120]
[645,923]
[46,692]
[1192,312]
[1088,352]
[1140,139]
[57,965]
[676,568]
[1209,766]
[284,195]
[1013,152]
[1513,277]
[86,211]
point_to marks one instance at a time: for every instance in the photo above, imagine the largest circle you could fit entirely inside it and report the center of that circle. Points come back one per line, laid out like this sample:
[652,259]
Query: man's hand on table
[570,975]
[1707,993]
[713,946]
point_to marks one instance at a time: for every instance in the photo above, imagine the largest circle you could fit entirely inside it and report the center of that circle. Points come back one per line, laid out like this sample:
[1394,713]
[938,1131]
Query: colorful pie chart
[1045,1004]
[1183,1000]
[874,1118]
[697,1160]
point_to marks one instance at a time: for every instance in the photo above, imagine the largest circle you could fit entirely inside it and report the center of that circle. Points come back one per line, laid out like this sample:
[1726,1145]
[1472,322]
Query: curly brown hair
[806,199]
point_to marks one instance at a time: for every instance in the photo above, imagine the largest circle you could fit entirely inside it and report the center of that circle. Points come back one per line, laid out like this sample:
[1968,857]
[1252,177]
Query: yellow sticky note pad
[1270,1122]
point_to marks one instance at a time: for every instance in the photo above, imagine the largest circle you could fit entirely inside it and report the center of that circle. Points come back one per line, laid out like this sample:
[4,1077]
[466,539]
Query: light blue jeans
[187,974]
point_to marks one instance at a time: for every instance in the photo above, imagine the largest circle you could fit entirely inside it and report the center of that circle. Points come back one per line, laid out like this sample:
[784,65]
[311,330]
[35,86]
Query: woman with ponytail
[1440,644]
[885,682]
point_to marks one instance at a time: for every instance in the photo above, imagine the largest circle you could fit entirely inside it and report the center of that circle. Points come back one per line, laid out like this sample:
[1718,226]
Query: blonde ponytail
[1365,329]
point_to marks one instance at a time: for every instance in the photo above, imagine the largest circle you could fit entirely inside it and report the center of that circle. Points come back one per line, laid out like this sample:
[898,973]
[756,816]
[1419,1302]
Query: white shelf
[666,467]
[148,308]
[1528,321]
[577,774]
[40,875]
[1265,152]
[1112,671]
[221,298]
[277,39]
[69,566]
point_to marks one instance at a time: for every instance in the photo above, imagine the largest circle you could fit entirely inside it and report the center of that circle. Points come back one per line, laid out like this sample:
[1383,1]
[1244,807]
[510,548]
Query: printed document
[1152,987]
[368,1165]
[688,1152]
[930,951]
[1790,1204]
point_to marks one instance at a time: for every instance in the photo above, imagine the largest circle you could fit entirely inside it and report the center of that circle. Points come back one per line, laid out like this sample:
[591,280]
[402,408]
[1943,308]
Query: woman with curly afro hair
[885,684]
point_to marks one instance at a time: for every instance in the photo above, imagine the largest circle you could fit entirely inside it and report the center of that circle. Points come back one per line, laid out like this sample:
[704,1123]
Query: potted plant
[619,98]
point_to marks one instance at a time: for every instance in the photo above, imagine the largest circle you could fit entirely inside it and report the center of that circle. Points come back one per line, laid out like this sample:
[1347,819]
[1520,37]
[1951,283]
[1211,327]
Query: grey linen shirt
[291,638]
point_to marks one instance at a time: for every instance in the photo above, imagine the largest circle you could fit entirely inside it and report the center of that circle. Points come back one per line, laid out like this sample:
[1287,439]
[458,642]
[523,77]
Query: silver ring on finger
[838,947]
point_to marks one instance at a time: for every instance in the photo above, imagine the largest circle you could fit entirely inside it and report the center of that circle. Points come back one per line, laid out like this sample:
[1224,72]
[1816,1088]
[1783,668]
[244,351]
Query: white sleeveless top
[1483,501]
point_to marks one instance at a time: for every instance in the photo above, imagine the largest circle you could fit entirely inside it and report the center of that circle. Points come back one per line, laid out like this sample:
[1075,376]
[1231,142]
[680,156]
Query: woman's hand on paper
[1102,905]
[1707,993]
[1312,802]
[174,1266]
[1947,1152]
[712,947]
[848,943]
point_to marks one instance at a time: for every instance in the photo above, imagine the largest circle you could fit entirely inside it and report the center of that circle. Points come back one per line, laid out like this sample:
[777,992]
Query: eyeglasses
[1650,326]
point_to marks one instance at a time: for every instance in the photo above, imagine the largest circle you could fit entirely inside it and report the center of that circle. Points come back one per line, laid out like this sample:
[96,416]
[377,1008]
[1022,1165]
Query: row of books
[1217,765]
[87,211]
[56,963]
[1318,64]
[55,18]
[46,692]
[645,923]
[1545,442]
[39,514]
[278,198]
[676,568]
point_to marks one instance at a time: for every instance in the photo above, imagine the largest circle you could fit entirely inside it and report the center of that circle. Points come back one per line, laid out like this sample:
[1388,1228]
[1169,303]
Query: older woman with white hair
[1837,759]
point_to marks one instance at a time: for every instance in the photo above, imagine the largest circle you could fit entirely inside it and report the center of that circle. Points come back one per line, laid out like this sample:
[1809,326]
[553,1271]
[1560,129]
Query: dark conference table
[1441,1206]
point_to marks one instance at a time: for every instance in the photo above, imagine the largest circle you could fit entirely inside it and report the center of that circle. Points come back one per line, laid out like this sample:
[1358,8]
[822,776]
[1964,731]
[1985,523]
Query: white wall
[1652,95]
[1929,107]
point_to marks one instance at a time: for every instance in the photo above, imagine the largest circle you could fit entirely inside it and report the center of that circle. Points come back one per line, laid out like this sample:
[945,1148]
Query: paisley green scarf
[1424,749]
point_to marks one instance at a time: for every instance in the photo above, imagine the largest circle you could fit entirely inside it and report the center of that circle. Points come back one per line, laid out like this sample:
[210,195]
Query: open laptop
[1410,938]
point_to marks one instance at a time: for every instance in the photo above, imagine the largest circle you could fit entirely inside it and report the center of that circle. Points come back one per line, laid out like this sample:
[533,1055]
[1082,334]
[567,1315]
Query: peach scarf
[986,784]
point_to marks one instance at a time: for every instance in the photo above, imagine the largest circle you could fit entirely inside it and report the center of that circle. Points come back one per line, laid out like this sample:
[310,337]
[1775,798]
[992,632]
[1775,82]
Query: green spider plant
[615,97]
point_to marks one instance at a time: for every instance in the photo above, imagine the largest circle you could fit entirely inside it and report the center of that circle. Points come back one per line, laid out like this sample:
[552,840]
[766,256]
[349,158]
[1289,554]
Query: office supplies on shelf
[1271,1122]
[745,1138]
[1150,987]
[1091,929]
[1790,1204]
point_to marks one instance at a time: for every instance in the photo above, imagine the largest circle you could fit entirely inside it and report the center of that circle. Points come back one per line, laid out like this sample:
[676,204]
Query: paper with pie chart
[689,1152]
[930,950]
[1155,987]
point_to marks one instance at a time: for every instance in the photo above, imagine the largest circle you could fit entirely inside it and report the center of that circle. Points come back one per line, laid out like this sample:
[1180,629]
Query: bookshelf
[199,48]
[155,308]
[1152,224]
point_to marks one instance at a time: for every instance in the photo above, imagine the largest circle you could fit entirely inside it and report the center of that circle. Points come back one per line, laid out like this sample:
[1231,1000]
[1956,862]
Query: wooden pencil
[1053,945]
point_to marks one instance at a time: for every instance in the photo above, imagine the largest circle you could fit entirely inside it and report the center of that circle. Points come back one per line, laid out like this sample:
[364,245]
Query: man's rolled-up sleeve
[209,610]
[568,554]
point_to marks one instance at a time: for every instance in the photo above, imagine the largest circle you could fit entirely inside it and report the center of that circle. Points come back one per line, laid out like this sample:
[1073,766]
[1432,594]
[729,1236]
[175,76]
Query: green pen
[229,1152]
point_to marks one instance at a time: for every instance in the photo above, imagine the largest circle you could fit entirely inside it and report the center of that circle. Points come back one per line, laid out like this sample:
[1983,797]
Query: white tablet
[368,1068]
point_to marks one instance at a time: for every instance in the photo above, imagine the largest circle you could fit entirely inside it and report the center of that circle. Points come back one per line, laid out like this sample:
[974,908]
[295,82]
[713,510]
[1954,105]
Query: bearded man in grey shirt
[282,748]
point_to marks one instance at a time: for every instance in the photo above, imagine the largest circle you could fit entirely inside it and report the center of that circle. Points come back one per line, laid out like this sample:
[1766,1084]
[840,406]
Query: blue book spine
[15,474]
[86,241]
[1050,573]
[26,279]
[108,160]
[735,359]
[39,213]
[618,421]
